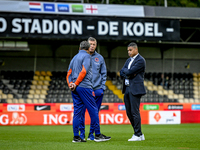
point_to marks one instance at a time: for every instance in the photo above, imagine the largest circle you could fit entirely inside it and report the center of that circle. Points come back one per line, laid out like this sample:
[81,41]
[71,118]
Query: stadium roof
[189,18]
[172,12]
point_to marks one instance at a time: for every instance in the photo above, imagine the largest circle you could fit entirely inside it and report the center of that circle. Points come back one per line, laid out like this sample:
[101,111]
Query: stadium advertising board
[76,27]
[110,113]
[36,118]
[164,117]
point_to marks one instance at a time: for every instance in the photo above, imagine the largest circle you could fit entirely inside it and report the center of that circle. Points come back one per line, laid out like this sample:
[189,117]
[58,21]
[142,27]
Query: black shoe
[78,139]
[101,138]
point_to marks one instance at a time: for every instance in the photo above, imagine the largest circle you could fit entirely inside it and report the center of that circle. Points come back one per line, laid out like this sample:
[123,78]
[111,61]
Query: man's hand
[72,86]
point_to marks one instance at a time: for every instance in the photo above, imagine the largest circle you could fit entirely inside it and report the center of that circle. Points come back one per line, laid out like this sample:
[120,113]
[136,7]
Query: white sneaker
[135,138]
[142,137]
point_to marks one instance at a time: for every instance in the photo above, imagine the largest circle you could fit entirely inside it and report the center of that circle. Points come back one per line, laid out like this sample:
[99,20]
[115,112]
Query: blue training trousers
[98,100]
[85,97]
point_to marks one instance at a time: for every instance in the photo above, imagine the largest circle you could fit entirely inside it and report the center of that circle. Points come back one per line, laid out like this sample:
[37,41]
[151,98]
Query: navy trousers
[98,100]
[84,97]
[132,104]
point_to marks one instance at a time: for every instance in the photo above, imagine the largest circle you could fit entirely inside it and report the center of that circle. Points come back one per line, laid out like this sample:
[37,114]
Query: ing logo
[18,118]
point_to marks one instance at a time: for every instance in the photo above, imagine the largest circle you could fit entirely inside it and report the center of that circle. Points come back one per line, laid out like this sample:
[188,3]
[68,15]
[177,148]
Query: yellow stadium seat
[35,101]
[43,73]
[180,96]
[21,100]
[9,101]
[165,92]
[160,92]
[195,74]
[37,73]
[34,82]
[39,87]
[46,82]
[36,96]
[41,101]
[30,96]
[4,96]
[29,101]
[42,96]
[41,78]
[37,91]
[31,91]
[15,100]
[44,92]
[45,87]
[35,78]
[49,73]
[47,78]
[10,96]
[40,82]
[33,87]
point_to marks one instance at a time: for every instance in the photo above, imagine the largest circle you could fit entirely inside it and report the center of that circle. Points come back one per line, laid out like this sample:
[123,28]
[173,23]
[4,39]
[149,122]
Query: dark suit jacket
[135,75]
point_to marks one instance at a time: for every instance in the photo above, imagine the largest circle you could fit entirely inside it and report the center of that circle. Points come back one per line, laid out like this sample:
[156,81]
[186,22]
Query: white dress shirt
[129,66]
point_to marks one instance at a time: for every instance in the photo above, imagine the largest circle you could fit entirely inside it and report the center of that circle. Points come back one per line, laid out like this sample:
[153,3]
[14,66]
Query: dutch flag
[35,7]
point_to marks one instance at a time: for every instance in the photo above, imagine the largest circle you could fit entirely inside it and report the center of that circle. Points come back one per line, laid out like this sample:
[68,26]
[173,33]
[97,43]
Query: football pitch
[158,137]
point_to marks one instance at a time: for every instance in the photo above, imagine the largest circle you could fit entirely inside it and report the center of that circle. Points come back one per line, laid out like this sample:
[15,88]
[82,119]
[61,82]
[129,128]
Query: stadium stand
[51,87]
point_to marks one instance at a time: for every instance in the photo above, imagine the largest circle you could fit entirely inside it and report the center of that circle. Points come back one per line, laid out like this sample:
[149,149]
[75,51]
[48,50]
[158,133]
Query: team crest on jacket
[96,59]
[93,93]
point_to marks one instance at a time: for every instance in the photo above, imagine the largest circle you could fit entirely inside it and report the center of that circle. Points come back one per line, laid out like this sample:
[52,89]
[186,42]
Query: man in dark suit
[133,88]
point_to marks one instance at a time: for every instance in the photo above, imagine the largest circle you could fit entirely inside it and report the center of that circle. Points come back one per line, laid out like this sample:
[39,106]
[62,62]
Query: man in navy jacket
[133,88]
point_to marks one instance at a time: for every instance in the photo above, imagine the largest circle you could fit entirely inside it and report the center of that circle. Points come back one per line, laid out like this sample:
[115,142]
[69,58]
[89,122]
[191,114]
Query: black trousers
[132,104]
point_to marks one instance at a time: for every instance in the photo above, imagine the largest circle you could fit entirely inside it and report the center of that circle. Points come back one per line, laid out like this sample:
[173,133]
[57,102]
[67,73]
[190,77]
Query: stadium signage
[17,119]
[64,107]
[42,107]
[15,107]
[151,107]
[195,107]
[121,107]
[4,119]
[72,27]
[113,118]
[180,107]
[104,107]
[55,119]
[164,117]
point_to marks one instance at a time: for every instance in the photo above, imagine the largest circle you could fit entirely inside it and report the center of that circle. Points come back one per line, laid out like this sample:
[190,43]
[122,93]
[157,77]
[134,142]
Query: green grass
[158,137]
